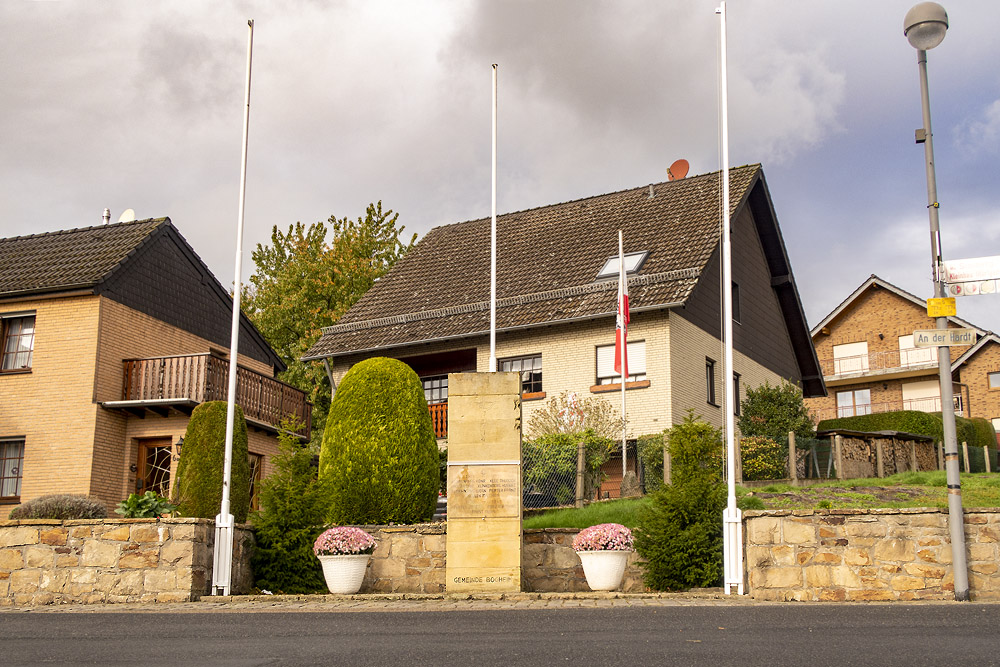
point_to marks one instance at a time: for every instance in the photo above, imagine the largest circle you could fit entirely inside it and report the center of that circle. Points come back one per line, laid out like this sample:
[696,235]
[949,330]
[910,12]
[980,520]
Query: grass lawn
[920,489]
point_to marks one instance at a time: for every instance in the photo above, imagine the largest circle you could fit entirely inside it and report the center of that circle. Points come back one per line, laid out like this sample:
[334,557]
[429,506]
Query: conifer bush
[198,487]
[679,535]
[292,515]
[379,456]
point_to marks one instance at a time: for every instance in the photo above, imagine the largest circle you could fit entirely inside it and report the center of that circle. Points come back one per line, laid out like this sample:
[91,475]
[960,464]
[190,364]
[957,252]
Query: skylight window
[633,262]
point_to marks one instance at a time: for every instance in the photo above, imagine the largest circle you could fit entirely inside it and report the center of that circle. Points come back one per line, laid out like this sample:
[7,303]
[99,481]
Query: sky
[140,105]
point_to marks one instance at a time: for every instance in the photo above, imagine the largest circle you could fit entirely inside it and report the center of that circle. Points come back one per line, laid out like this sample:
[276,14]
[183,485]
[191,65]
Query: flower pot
[604,569]
[344,573]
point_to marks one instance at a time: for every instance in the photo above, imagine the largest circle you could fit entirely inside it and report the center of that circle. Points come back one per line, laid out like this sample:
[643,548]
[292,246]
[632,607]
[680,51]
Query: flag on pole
[621,323]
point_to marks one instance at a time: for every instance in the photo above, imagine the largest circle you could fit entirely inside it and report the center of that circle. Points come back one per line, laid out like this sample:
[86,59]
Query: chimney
[107,215]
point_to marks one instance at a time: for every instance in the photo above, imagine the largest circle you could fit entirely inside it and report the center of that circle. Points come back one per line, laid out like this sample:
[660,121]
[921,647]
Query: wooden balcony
[439,417]
[181,382]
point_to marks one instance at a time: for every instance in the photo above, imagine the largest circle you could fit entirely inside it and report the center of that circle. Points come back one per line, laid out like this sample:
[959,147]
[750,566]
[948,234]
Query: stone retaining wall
[879,554]
[114,560]
[411,559]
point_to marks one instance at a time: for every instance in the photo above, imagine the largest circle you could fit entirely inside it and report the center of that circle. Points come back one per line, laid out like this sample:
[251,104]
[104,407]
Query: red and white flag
[621,323]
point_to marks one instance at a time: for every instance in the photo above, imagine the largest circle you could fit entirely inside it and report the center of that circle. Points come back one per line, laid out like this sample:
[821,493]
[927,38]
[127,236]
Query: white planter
[344,574]
[604,569]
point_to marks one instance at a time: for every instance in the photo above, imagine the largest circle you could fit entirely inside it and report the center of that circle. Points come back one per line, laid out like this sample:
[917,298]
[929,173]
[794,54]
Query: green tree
[379,454]
[198,487]
[773,411]
[304,281]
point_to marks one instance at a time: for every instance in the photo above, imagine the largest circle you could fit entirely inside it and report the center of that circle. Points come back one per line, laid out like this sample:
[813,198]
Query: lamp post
[925,26]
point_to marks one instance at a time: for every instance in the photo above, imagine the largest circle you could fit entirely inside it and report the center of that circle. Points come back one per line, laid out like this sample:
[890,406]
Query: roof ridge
[518,300]
[59,232]
[591,197]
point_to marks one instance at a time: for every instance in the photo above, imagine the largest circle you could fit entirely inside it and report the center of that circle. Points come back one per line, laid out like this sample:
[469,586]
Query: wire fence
[558,470]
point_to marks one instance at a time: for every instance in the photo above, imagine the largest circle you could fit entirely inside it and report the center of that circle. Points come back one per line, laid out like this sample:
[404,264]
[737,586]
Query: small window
[633,262]
[636,360]
[851,403]
[710,381]
[256,469]
[17,335]
[11,464]
[435,389]
[530,369]
[736,394]
[994,379]
[736,303]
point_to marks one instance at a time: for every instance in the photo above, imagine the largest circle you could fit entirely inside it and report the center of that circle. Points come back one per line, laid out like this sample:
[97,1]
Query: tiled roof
[547,262]
[69,259]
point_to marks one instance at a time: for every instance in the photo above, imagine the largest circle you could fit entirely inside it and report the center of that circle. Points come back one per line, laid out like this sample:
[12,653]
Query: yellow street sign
[941,307]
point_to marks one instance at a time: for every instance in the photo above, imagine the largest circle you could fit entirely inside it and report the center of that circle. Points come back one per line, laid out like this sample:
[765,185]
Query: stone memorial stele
[484,483]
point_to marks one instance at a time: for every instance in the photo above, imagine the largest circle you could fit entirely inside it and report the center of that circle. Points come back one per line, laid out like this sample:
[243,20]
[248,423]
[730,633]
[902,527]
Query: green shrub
[198,487]
[680,533]
[62,506]
[750,503]
[763,458]
[145,506]
[292,515]
[905,421]
[774,411]
[443,470]
[549,463]
[651,455]
[379,452]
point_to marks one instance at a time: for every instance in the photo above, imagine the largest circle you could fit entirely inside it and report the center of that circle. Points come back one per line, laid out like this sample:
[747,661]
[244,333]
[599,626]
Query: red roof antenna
[678,170]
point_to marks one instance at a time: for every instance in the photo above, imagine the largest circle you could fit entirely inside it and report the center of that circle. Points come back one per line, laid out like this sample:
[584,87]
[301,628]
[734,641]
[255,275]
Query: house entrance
[153,466]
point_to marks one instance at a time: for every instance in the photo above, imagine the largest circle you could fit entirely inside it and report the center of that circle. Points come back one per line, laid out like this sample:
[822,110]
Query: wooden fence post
[839,453]
[739,462]
[879,463]
[666,465]
[965,453]
[793,471]
[939,446]
[581,462]
[986,457]
[914,466]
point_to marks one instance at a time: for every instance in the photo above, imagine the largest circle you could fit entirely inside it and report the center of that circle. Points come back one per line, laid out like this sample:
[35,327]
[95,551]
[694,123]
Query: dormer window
[633,262]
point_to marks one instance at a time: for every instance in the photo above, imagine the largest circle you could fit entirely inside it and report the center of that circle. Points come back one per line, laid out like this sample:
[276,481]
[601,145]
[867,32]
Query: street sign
[943,337]
[941,307]
[971,270]
[973,288]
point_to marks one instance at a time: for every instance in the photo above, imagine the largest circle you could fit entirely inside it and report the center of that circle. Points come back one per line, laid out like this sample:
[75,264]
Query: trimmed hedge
[198,487]
[60,506]
[379,453]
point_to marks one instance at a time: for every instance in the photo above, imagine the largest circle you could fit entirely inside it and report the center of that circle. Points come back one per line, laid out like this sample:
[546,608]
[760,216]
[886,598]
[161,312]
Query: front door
[153,466]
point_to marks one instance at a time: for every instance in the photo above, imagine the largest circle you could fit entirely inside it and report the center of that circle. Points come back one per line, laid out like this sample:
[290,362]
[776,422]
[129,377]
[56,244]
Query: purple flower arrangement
[604,537]
[342,541]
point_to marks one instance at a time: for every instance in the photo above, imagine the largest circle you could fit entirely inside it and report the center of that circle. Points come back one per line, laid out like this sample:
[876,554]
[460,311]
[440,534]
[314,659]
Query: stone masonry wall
[114,560]
[879,554]
[411,559]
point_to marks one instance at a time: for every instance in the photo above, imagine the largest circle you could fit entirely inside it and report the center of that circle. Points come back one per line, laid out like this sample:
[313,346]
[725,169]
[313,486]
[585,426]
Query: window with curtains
[17,342]
[11,464]
[636,363]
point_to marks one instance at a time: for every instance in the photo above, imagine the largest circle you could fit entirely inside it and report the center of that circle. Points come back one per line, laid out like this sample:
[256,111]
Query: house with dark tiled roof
[556,300]
[109,337]
[871,363]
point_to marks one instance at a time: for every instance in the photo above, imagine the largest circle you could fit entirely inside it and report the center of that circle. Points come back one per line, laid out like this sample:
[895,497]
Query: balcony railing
[439,417]
[205,377]
[931,404]
[878,362]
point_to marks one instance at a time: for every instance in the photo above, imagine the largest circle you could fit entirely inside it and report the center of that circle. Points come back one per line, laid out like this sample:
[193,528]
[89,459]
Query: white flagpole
[731,518]
[222,563]
[624,353]
[493,238]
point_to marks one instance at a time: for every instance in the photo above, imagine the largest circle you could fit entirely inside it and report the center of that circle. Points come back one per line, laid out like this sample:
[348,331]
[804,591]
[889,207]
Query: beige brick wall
[72,444]
[983,401]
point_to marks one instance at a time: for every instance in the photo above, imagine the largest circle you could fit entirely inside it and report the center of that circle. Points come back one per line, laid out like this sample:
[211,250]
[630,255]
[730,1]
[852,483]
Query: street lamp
[925,26]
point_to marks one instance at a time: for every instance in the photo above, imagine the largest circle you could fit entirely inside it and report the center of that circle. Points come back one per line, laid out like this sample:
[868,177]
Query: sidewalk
[403,602]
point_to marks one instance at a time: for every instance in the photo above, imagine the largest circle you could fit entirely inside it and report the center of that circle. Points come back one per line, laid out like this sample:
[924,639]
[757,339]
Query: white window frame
[11,474]
[518,365]
[850,358]
[606,373]
[855,407]
[5,354]
[633,262]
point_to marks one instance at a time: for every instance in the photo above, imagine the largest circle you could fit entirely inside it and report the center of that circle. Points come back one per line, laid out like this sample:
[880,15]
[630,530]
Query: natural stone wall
[879,554]
[411,559]
[114,560]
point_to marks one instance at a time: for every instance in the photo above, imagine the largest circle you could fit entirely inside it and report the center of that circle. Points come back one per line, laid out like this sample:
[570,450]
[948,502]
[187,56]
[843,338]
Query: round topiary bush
[198,487]
[379,454]
[60,506]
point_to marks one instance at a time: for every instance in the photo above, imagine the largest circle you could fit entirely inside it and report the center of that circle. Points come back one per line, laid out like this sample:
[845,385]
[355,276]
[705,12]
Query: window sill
[601,388]
[532,395]
[15,371]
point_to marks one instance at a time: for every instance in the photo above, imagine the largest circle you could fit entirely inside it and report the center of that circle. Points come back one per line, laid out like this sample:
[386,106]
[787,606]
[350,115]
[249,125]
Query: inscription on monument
[484,490]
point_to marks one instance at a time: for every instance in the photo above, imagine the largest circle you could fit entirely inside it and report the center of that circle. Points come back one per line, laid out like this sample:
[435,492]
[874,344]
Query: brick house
[870,363]
[111,335]
[557,270]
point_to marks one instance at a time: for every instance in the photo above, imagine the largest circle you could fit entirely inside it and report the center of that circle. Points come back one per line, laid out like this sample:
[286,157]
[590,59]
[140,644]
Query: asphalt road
[719,635]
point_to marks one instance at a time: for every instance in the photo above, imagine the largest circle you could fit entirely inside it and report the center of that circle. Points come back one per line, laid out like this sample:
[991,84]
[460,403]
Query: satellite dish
[128,215]
[678,170]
